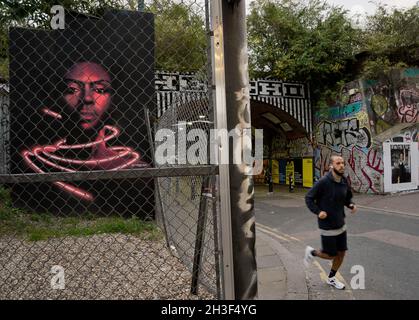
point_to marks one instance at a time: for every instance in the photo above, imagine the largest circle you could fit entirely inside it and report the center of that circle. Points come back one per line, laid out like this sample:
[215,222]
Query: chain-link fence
[87,209]
[4,127]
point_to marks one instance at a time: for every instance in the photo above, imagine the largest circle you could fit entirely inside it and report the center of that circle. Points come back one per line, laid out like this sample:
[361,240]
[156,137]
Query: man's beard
[338,173]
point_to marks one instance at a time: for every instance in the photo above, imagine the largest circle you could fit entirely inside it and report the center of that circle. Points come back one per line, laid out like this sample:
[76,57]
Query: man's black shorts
[332,244]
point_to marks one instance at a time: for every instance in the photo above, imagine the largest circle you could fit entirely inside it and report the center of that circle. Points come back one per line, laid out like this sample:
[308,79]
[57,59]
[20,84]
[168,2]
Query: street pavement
[383,241]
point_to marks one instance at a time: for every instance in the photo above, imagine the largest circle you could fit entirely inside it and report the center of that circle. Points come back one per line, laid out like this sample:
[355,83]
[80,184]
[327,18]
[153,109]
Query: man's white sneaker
[335,283]
[308,257]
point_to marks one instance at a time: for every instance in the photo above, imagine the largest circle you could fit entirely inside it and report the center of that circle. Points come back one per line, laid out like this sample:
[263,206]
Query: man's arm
[311,197]
[348,200]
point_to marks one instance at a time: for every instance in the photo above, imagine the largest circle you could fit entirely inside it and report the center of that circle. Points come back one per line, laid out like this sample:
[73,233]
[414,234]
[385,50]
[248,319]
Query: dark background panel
[298,171]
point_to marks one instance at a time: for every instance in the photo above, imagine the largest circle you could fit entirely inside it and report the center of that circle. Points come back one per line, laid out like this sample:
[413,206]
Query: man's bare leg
[320,254]
[337,261]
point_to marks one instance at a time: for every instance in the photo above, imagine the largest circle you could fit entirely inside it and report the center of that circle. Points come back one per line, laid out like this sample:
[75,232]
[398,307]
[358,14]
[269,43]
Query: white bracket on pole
[223,148]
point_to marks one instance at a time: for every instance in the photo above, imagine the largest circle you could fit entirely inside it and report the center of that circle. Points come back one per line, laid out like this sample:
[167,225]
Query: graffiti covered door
[400,166]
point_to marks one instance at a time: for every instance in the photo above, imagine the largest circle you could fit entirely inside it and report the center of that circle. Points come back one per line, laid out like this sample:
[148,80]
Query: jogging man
[327,200]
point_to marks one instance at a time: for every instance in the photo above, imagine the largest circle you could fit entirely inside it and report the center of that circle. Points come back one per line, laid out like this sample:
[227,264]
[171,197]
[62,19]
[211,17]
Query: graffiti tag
[409,106]
[344,133]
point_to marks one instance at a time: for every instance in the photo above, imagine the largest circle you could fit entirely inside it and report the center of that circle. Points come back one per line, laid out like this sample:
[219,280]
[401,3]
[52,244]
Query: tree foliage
[300,41]
[179,27]
[180,36]
[36,14]
[312,41]
[391,38]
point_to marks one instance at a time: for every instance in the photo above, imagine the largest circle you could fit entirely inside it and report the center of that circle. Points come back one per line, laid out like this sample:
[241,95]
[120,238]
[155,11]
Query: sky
[358,9]
[368,7]
[359,6]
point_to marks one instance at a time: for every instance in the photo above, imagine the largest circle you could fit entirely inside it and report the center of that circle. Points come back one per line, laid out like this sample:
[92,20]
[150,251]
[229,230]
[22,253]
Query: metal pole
[215,226]
[238,118]
[213,182]
[221,123]
[157,195]
[199,239]
[140,5]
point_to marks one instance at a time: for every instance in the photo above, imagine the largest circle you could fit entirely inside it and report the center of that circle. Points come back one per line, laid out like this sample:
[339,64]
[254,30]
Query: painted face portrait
[78,100]
[87,95]
[88,92]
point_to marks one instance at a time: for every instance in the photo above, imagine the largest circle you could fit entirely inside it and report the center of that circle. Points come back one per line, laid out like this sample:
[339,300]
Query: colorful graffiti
[408,109]
[378,99]
[364,109]
[345,111]
[344,130]
[364,168]
[410,134]
[392,99]
[406,89]
[343,134]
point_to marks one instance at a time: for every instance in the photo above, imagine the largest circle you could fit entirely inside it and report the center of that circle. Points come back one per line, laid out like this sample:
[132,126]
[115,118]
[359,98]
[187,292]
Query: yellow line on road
[276,231]
[263,229]
[286,237]
[324,276]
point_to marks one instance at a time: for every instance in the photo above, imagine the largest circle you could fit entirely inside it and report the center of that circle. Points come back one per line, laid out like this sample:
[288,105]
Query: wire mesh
[4,128]
[188,200]
[86,211]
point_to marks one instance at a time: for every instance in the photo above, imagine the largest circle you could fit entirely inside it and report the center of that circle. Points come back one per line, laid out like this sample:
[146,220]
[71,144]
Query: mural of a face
[88,91]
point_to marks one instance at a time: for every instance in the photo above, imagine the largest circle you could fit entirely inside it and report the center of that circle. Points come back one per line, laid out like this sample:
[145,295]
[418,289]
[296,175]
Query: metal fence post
[221,123]
[239,119]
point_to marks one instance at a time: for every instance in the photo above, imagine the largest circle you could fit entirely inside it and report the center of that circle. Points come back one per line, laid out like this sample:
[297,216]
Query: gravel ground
[113,266]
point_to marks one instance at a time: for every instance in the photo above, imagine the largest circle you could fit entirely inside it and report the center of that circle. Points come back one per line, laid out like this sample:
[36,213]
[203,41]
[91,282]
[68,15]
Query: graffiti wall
[392,99]
[406,90]
[344,130]
[365,109]
[297,148]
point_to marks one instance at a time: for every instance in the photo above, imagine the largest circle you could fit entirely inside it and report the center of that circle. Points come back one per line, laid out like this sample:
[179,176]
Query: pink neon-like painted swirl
[45,155]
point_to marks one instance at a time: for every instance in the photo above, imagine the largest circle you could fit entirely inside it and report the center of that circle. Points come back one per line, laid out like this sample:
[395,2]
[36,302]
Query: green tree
[179,27]
[301,41]
[180,35]
[391,39]
[36,14]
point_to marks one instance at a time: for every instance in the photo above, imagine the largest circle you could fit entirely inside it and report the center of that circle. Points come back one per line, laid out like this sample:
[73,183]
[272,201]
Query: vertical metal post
[213,178]
[216,234]
[140,5]
[199,239]
[221,123]
[239,120]
[157,195]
